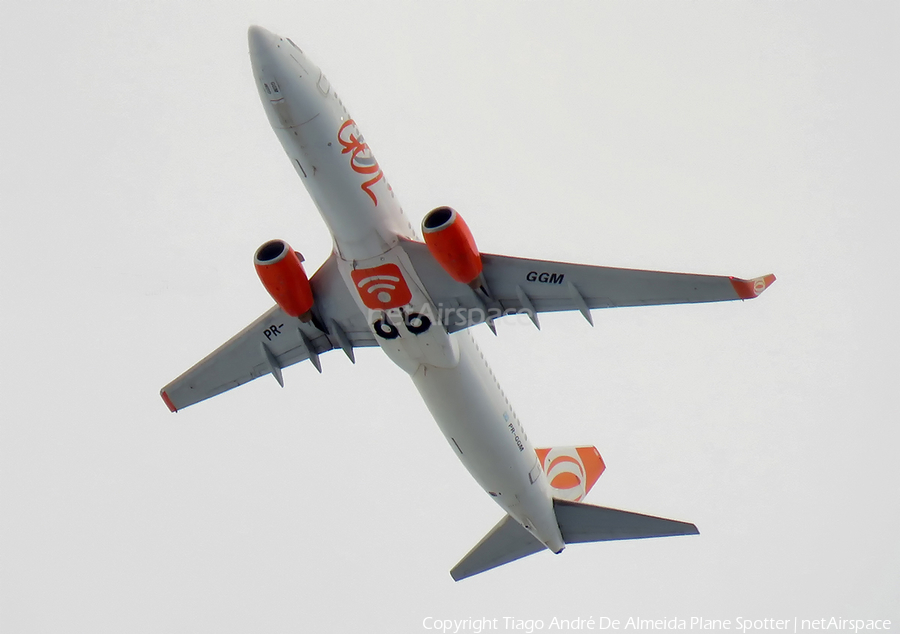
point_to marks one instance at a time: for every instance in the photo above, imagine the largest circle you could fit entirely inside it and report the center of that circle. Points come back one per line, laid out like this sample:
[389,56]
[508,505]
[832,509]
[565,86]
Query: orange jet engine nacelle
[281,272]
[451,243]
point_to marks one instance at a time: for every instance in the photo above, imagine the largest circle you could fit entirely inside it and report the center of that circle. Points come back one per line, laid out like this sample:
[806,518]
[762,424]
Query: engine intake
[451,243]
[281,273]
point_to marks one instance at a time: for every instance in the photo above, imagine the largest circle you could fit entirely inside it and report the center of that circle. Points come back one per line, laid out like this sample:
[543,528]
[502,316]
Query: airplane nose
[259,39]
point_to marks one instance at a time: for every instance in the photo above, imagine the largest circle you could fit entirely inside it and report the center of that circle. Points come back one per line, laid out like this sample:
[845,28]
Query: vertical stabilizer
[571,471]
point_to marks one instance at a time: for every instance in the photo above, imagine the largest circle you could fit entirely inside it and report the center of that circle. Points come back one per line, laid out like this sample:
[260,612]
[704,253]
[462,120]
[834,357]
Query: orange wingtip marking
[748,289]
[168,402]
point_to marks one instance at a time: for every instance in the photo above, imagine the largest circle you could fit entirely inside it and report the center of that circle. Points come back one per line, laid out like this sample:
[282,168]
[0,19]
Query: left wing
[527,286]
[275,341]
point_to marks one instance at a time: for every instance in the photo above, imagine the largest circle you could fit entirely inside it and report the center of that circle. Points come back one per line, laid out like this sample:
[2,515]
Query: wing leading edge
[275,341]
[529,286]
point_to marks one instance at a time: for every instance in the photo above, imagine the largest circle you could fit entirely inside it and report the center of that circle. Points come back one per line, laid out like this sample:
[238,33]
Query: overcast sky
[139,174]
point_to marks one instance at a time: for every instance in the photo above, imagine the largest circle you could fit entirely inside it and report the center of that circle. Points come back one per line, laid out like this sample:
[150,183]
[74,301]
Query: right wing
[275,341]
[523,285]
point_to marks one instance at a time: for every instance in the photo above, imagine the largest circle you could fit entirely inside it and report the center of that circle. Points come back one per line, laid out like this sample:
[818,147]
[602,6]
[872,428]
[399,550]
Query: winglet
[168,401]
[748,289]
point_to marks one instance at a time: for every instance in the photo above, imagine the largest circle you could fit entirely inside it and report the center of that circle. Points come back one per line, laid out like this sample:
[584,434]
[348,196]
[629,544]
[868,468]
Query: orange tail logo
[572,471]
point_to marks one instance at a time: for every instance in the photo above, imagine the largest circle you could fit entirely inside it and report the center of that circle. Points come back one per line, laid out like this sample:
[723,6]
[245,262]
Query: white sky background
[140,174]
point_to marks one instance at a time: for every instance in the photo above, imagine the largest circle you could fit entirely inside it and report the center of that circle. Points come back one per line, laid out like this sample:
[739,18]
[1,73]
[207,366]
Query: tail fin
[572,471]
[578,523]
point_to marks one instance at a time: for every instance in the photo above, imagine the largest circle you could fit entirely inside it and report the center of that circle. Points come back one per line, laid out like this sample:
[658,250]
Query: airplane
[417,300]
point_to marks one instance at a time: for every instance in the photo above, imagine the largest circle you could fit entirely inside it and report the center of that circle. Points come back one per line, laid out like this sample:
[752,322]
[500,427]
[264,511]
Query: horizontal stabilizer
[586,523]
[506,542]
[578,523]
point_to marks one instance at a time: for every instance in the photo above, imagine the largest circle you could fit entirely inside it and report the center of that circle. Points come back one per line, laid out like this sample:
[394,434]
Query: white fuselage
[354,198]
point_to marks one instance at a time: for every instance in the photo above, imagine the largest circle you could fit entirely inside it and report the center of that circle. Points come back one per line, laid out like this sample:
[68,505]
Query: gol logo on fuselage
[381,287]
[361,158]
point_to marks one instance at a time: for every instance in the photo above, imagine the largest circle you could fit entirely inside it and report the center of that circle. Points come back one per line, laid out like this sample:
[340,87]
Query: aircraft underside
[416,300]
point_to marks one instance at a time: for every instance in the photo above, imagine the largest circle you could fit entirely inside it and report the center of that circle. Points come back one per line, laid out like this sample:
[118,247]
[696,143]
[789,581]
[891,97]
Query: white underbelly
[474,415]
